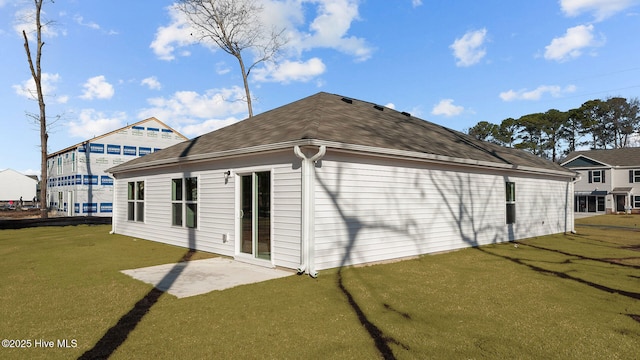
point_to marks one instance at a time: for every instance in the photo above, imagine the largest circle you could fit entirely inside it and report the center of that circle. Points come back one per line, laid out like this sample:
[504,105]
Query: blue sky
[112,63]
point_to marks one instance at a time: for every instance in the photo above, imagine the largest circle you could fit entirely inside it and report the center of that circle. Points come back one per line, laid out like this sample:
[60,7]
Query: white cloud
[28,88]
[80,21]
[192,113]
[222,68]
[152,82]
[469,50]
[391,106]
[92,123]
[571,45]
[416,3]
[601,9]
[445,107]
[206,126]
[536,94]
[176,34]
[24,19]
[329,28]
[288,71]
[97,87]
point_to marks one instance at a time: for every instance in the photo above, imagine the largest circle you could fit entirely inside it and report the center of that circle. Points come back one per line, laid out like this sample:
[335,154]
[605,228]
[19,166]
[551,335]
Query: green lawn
[555,297]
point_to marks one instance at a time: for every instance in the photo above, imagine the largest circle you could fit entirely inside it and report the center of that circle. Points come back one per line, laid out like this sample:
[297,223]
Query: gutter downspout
[575,180]
[113,207]
[308,201]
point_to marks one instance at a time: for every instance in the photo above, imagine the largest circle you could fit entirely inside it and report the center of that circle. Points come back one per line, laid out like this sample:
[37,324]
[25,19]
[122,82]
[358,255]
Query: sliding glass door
[255,214]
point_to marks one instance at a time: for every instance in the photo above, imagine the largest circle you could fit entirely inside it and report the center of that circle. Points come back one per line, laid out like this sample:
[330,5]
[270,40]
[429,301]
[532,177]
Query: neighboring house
[329,181]
[14,186]
[77,181]
[610,180]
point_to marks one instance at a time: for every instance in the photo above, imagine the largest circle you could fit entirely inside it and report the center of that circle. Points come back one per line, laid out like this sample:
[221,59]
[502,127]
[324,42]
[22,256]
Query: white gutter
[113,207]
[384,152]
[308,199]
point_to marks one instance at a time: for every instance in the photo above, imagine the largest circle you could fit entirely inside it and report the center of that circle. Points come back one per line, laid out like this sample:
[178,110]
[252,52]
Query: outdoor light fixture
[227,174]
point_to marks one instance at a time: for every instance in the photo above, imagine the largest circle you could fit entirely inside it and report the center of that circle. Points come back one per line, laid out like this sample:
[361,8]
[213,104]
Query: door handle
[241,214]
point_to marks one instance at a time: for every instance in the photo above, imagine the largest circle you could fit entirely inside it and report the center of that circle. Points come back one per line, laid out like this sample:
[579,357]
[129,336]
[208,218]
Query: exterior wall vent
[378,107]
[347,100]
[406,114]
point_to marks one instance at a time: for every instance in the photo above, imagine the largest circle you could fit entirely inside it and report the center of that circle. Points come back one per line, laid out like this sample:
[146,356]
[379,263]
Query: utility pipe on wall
[308,199]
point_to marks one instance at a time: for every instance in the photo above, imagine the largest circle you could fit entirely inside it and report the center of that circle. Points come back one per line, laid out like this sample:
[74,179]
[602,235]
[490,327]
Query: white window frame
[510,197]
[597,173]
[183,202]
[135,201]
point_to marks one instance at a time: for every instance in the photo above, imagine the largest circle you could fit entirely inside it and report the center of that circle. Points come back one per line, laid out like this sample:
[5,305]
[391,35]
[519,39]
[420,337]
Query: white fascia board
[442,159]
[393,153]
[208,156]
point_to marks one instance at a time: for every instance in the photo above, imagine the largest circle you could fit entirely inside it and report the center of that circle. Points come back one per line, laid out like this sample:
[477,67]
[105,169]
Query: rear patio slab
[198,277]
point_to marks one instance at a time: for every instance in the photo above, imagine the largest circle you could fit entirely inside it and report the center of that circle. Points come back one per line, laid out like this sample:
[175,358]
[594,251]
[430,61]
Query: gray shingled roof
[613,157]
[334,118]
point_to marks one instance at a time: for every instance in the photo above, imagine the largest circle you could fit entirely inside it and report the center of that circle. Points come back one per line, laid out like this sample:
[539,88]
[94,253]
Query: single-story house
[609,180]
[15,186]
[76,179]
[329,181]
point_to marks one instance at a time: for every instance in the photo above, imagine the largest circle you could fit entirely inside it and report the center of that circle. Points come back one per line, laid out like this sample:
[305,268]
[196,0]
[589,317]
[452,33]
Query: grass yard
[571,296]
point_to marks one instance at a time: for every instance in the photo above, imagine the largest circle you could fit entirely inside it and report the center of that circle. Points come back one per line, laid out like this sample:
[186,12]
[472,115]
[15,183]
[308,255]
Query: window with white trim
[135,203]
[511,202]
[59,165]
[596,176]
[184,202]
[634,176]
[636,202]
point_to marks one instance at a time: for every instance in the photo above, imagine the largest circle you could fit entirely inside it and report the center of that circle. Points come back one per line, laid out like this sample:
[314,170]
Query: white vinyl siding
[371,210]
[366,208]
[217,213]
[158,223]
[286,216]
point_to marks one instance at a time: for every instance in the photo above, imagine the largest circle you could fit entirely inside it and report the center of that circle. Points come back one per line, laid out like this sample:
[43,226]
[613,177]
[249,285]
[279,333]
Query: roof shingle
[613,157]
[334,118]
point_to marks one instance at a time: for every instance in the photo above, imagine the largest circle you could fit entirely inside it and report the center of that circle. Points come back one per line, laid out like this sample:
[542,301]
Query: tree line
[598,124]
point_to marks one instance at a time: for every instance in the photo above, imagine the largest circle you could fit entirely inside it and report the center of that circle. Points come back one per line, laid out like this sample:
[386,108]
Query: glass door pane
[263,198]
[246,218]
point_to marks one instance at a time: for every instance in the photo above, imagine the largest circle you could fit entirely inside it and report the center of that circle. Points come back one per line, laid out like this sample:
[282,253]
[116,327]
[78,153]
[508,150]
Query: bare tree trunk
[245,77]
[36,73]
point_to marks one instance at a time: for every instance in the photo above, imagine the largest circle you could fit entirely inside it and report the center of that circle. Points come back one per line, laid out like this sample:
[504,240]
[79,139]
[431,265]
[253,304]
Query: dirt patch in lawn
[20,214]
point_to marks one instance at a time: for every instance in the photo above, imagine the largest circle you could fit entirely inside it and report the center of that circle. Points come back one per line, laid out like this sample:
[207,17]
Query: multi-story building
[77,182]
[609,180]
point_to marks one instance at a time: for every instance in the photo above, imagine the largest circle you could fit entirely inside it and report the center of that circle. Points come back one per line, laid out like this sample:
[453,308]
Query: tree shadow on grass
[355,225]
[117,335]
[612,261]
[565,275]
[380,340]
